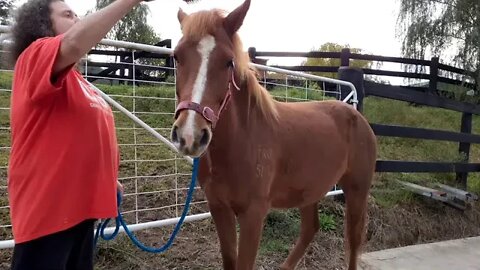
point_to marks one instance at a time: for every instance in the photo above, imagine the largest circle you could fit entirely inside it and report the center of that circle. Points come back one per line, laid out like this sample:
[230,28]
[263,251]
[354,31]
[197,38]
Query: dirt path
[197,247]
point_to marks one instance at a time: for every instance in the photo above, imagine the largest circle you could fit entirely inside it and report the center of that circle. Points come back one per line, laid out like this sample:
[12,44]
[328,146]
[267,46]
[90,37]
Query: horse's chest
[241,178]
[235,189]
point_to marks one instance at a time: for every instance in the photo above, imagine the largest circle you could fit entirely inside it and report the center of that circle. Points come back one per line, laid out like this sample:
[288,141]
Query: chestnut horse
[257,153]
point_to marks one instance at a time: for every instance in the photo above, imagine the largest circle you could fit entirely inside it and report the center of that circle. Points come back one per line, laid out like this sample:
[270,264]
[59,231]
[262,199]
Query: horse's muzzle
[191,144]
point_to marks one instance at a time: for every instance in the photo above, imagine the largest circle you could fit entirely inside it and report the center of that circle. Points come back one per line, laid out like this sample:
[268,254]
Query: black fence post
[464,148]
[355,76]
[252,53]
[433,80]
[169,61]
[129,60]
[122,71]
[345,57]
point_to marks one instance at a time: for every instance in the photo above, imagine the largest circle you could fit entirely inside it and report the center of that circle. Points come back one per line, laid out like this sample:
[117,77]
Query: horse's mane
[203,23]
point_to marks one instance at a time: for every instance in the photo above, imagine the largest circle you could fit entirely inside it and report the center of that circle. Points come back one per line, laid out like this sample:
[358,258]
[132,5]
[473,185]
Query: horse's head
[205,58]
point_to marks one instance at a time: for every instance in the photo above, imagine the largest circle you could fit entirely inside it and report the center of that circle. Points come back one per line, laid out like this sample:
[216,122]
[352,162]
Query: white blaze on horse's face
[204,73]
[190,134]
[205,48]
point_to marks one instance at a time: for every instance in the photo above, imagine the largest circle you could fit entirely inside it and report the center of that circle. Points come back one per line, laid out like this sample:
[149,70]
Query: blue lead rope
[119,220]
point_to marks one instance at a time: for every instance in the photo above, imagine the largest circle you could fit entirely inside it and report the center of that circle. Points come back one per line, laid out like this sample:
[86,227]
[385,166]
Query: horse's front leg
[224,219]
[251,227]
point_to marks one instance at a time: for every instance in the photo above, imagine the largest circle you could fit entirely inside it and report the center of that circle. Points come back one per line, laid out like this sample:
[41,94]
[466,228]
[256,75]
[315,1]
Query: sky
[286,25]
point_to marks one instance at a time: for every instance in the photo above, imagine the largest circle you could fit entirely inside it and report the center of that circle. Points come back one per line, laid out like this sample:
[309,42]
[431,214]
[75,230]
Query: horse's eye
[230,64]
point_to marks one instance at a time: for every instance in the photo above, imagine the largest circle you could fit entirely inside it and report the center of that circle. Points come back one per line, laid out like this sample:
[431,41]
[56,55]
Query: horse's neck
[241,115]
[245,110]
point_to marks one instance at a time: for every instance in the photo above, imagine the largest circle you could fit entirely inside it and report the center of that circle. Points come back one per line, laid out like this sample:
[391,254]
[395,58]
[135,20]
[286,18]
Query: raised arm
[89,31]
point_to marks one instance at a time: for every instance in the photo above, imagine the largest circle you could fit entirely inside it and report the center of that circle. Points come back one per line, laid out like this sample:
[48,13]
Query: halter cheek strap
[206,112]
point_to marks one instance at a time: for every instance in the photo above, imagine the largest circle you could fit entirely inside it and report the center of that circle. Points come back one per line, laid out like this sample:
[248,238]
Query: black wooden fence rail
[125,66]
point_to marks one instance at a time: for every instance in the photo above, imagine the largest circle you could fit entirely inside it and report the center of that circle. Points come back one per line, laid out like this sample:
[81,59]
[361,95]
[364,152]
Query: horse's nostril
[182,142]
[174,134]
[205,137]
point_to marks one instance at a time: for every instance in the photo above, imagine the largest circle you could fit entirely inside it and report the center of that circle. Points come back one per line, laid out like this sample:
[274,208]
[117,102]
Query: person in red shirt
[64,160]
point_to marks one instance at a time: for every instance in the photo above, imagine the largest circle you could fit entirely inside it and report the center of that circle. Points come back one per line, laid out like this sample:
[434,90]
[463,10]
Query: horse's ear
[181,15]
[235,19]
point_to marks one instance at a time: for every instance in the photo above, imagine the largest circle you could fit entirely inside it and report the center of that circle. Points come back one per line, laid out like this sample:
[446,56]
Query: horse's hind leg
[309,227]
[356,198]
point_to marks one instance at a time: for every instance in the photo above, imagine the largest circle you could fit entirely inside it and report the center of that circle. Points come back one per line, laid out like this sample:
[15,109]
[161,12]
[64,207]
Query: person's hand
[120,187]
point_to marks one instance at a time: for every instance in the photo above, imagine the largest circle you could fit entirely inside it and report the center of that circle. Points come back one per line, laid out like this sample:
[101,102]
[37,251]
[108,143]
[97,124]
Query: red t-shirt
[64,159]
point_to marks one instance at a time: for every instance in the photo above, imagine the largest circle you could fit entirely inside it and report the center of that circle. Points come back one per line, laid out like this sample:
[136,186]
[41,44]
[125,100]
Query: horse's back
[332,128]
[327,112]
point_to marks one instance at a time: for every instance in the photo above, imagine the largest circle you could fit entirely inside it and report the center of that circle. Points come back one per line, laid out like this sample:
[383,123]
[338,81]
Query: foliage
[327,222]
[442,27]
[334,47]
[133,27]
[5,7]
[335,62]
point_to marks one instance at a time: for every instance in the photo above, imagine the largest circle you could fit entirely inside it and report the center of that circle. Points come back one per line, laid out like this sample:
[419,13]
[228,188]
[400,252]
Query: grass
[280,230]
[328,222]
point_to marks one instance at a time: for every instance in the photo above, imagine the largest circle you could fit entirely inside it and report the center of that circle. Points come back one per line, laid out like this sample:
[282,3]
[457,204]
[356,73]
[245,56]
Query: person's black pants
[65,250]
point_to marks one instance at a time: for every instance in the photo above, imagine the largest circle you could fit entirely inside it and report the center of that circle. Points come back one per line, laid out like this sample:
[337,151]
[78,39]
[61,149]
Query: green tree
[334,47]
[133,27]
[335,62]
[449,29]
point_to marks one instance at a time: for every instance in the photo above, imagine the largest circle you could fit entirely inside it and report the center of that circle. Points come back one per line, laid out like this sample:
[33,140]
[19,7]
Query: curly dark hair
[32,21]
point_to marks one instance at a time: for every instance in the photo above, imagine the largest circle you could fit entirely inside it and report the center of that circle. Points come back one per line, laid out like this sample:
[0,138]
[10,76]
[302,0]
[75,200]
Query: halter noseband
[206,112]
